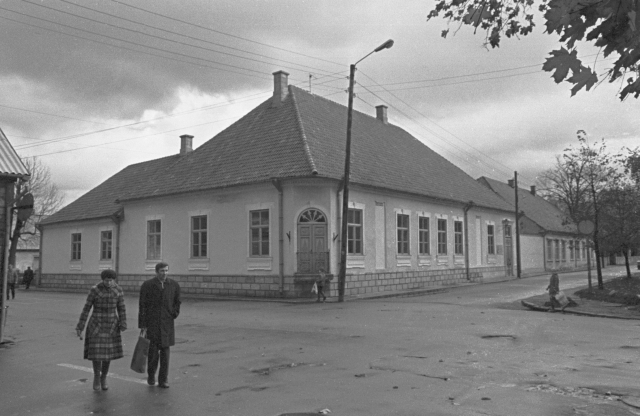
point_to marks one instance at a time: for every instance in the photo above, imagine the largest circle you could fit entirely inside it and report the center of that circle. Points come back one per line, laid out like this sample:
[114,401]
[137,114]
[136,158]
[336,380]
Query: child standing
[320,282]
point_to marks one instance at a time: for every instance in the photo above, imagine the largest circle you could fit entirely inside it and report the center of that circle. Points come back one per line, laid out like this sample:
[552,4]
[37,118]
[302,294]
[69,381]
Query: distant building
[548,240]
[255,211]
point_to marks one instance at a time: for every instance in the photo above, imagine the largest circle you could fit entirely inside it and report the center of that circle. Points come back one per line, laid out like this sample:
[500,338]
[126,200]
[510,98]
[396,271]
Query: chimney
[280,88]
[186,144]
[381,113]
[533,190]
[511,182]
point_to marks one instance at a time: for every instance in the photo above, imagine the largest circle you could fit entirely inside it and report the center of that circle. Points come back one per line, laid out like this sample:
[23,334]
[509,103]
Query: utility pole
[518,267]
[342,276]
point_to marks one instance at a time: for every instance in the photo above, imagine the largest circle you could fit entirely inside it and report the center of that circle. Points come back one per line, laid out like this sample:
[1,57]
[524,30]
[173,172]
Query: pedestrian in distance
[27,277]
[320,283]
[13,280]
[103,342]
[159,307]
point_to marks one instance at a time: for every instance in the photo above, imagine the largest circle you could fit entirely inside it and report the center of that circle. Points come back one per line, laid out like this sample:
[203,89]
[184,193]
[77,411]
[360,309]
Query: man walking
[27,277]
[159,307]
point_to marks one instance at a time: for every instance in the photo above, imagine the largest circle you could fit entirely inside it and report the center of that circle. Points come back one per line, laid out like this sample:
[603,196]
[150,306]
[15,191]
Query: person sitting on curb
[554,293]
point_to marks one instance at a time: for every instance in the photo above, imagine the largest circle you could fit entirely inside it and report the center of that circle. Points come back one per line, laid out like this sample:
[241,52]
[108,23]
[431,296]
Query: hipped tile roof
[303,137]
[537,209]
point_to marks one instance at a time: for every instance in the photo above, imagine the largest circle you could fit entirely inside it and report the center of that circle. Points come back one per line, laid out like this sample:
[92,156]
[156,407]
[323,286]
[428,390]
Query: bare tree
[577,184]
[47,200]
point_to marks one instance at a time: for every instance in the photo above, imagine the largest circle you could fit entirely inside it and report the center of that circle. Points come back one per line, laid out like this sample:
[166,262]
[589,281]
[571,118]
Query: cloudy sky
[93,86]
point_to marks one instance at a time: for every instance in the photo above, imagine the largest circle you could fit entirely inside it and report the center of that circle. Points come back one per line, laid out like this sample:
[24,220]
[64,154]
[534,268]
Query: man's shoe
[151,380]
[164,385]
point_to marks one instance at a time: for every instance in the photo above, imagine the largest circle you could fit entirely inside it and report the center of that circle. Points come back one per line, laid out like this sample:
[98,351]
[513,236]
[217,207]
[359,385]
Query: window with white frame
[442,236]
[403,233]
[154,239]
[424,235]
[577,248]
[491,239]
[570,250]
[557,246]
[354,231]
[199,236]
[106,244]
[76,246]
[458,239]
[259,232]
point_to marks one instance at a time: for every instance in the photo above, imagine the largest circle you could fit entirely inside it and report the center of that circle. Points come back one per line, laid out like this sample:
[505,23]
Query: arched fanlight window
[312,215]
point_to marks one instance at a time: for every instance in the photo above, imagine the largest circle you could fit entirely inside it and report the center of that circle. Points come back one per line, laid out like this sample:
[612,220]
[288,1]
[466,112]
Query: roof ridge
[305,142]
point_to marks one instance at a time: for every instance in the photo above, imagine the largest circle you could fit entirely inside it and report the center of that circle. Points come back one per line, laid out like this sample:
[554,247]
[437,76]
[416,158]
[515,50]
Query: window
[106,242]
[154,239]
[76,246]
[557,245]
[491,239]
[423,235]
[442,236]
[571,250]
[563,250]
[549,250]
[354,231]
[403,234]
[577,247]
[259,232]
[199,236]
[458,240]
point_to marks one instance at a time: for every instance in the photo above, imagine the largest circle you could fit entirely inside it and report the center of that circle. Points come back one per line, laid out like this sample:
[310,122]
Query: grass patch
[621,289]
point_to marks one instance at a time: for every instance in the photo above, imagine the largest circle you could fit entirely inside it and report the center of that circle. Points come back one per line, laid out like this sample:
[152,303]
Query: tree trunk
[625,252]
[15,238]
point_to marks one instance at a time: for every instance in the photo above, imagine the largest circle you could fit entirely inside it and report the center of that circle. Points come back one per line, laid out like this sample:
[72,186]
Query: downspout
[117,219]
[39,277]
[466,240]
[278,186]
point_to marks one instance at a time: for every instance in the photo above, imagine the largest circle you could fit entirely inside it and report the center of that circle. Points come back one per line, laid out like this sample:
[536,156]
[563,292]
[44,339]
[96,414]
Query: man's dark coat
[159,306]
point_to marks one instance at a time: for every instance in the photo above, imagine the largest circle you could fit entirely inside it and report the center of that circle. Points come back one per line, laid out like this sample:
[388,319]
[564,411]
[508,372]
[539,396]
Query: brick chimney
[186,144]
[533,190]
[511,182]
[280,88]
[381,113]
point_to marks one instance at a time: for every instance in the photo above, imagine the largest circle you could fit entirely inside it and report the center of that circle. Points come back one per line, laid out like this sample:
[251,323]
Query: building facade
[256,211]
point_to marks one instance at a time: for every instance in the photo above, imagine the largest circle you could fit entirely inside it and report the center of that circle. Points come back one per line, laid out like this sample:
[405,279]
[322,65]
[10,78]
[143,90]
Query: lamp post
[347,166]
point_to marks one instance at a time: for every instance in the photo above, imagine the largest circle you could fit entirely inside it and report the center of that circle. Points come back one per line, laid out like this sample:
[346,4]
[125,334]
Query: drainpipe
[278,186]
[466,240]
[117,219]
[39,277]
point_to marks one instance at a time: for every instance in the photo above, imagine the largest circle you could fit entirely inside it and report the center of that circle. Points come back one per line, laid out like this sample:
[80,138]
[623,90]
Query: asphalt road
[471,350]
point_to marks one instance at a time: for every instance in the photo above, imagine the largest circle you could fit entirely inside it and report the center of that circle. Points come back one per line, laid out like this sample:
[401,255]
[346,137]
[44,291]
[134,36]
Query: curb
[537,308]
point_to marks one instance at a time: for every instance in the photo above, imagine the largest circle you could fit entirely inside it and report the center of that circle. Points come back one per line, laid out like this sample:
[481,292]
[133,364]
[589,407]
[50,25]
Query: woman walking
[102,340]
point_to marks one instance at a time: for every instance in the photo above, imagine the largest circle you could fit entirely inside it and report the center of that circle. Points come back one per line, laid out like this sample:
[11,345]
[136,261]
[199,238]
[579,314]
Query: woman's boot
[97,366]
[103,378]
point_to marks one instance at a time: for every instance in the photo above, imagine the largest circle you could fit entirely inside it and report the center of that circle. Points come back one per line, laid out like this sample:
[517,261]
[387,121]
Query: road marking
[112,375]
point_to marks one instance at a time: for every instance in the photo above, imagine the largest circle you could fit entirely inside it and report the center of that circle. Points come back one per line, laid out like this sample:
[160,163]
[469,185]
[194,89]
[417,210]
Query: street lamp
[347,165]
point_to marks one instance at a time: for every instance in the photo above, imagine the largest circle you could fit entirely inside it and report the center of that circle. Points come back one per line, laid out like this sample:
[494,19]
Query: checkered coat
[102,339]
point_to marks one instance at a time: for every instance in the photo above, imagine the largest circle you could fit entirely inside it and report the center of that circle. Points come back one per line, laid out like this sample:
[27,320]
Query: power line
[49,114]
[155,36]
[223,33]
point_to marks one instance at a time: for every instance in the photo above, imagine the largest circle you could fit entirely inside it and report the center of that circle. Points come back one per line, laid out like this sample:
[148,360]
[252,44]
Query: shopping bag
[140,353]
[562,299]
[314,289]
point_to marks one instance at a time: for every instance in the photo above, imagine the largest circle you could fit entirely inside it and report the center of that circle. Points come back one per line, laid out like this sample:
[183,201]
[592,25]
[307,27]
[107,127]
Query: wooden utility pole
[518,267]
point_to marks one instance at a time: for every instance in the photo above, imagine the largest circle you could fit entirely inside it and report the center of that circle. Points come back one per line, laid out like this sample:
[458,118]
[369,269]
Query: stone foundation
[298,286]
